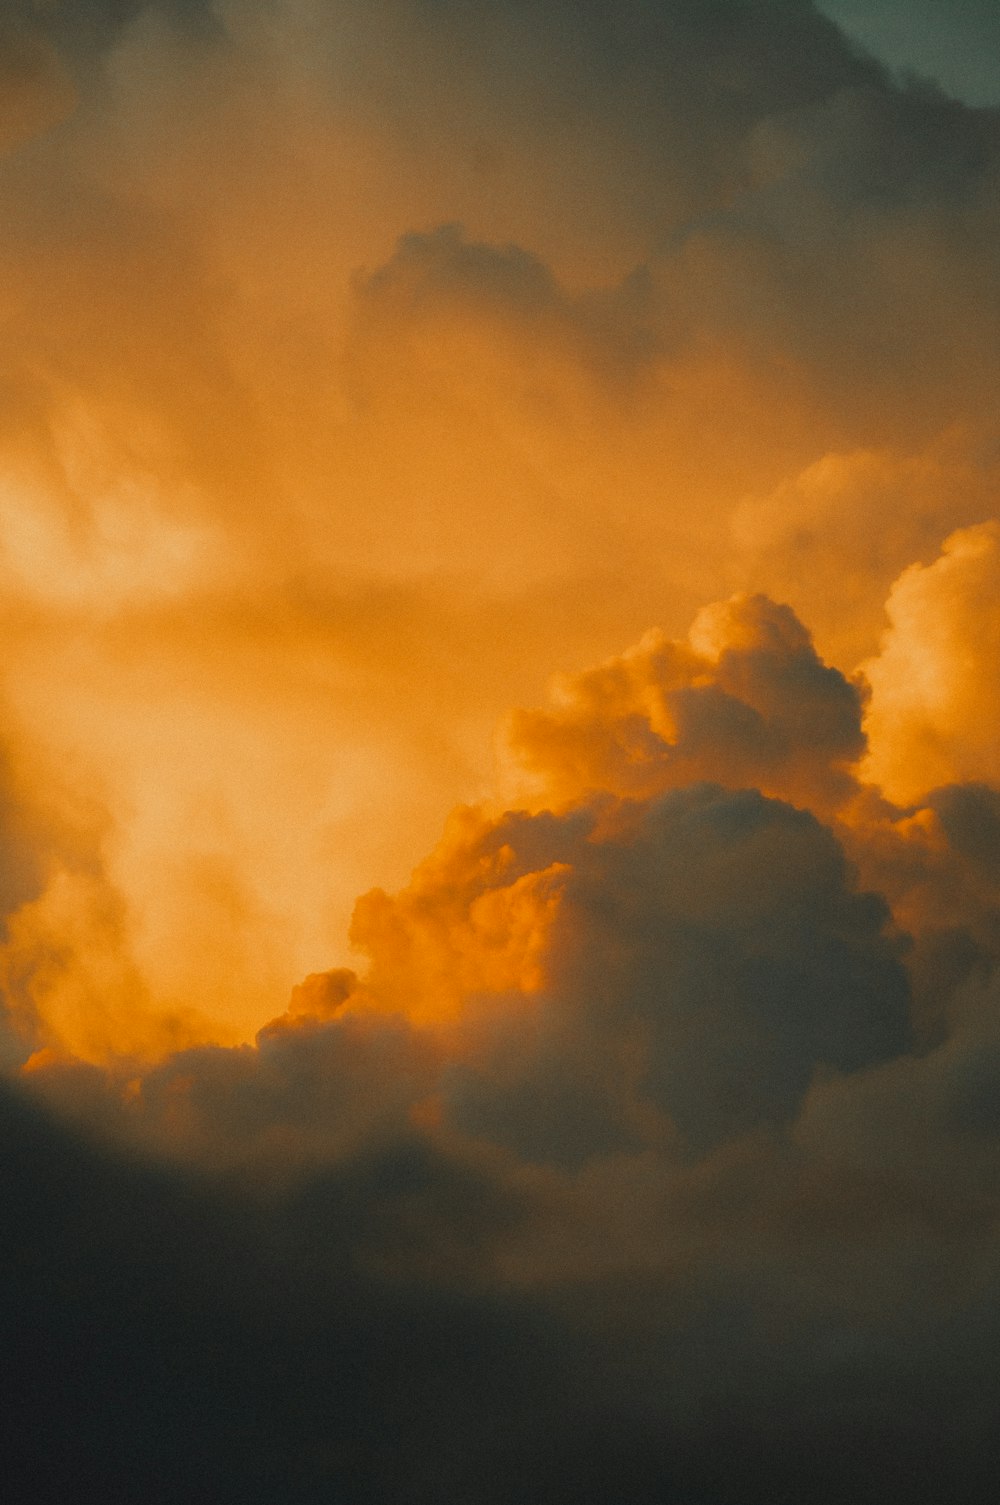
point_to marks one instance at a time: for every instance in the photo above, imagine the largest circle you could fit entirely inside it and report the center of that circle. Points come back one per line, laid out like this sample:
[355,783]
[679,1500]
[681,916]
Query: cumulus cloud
[650,1076]
[706,960]
[360,365]
[823,537]
[259,386]
[933,711]
[745,700]
[658,961]
[684,1177]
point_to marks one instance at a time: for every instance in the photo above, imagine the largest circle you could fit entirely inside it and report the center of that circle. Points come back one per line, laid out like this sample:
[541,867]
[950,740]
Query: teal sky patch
[955,42]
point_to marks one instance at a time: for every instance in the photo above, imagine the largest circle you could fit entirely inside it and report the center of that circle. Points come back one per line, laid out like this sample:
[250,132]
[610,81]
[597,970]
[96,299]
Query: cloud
[713,1333]
[626,1111]
[671,974]
[745,701]
[830,540]
[706,958]
[360,365]
[933,708]
[442,298]
[194,1340]
[970,816]
[36,90]
[301,480]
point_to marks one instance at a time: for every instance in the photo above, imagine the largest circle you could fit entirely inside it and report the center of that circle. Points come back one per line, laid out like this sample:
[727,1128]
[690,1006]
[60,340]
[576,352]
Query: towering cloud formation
[641,1110]
[636,1139]
[494,336]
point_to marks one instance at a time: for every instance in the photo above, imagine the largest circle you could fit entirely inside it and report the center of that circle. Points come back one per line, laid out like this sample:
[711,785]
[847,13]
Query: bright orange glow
[331,436]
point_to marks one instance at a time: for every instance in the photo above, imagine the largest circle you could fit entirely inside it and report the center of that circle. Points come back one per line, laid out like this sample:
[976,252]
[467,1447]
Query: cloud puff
[823,538]
[933,713]
[745,701]
[707,957]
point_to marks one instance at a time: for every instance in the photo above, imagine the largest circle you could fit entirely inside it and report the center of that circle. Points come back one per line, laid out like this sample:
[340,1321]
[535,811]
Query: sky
[952,42]
[499,768]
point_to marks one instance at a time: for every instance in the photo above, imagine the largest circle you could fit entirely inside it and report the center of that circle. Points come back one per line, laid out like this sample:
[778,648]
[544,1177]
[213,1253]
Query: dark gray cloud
[84,24]
[708,959]
[351,1339]
[970,816]
[165,1340]
[503,293]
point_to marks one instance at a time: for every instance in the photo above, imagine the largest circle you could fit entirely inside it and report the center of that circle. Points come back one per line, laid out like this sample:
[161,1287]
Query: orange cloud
[745,701]
[328,428]
[361,363]
[935,702]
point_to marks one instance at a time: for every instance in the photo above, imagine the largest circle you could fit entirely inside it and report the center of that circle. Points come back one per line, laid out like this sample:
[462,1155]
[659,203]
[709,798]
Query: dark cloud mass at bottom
[167,1339]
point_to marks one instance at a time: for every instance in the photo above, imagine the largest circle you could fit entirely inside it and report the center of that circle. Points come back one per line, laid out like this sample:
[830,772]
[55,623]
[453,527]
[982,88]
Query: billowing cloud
[823,538]
[706,960]
[359,367]
[745,700]
[330,424]
[934,704]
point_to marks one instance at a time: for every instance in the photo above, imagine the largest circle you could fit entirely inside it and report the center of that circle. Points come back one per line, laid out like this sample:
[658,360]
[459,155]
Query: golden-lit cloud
[745,700]
[831,539]
[934,708]
[306,484]
[633,1135]
[330,428]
